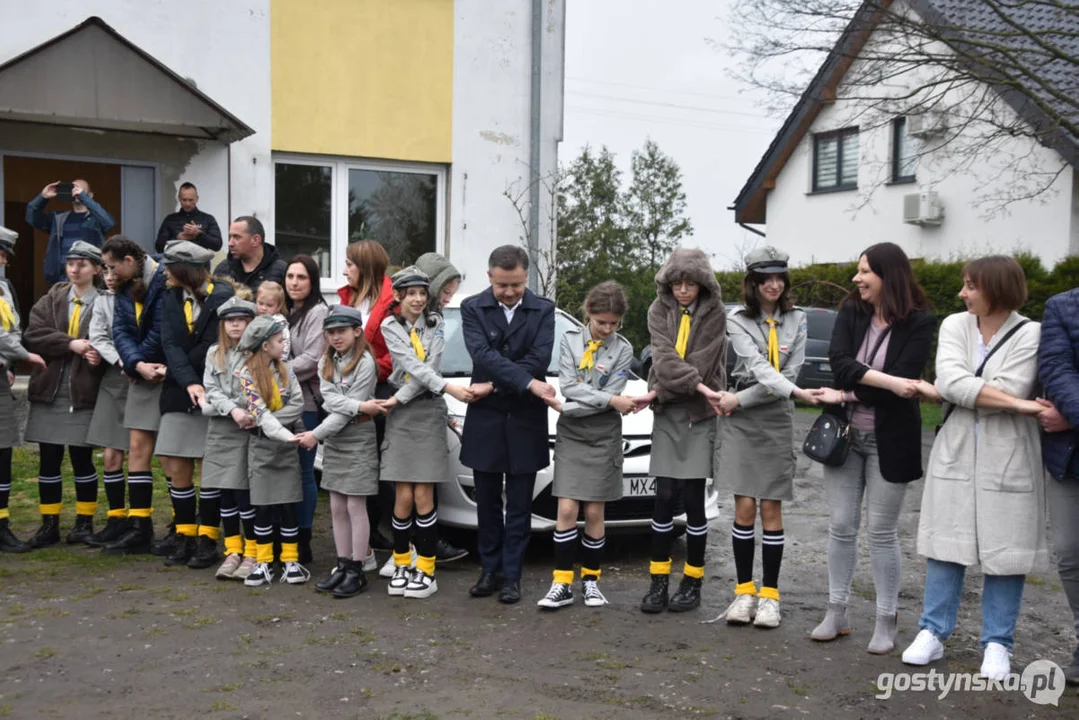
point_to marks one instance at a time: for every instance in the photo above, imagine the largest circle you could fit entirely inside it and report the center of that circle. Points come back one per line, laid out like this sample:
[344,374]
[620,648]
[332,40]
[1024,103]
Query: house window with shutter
[904,152]
[835,160]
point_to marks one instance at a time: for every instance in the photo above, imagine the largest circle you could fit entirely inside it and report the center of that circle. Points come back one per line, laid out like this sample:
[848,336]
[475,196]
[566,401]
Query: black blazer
[506,432]
[185,353]
[898,420]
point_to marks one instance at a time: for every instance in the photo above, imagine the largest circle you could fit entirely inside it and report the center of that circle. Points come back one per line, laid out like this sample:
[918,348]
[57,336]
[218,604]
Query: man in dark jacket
[1058,371]
[251,261]
[509,333]
[86,221]
[189,223]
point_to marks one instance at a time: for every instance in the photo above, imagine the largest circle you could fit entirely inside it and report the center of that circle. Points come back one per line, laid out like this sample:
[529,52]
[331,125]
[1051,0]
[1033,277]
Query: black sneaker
[560,595]
[8,541]
[205,554]
[83,530]
[444,552]
[688,596]
[167,545]
[655,600]
[114,528]
[185,550]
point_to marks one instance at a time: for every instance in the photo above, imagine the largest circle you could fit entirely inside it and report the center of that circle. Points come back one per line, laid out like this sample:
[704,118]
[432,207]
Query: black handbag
[828,441]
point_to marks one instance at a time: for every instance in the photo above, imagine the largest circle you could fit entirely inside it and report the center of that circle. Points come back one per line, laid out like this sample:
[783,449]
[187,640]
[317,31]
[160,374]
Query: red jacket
[372,332]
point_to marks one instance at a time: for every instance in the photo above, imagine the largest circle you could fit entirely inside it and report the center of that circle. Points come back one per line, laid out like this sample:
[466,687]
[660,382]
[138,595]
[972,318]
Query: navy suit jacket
[506,432]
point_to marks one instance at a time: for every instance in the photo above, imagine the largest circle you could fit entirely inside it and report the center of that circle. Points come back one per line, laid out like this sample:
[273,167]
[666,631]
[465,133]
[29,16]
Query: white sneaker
[560,595]
[388,566]
[767,613]
[421,585]
[742,609]
[925,649]
[230,566]
[402,575]
[370,563]
[260,575]
[592,596]
[247,566]
[996,663]
[295,574]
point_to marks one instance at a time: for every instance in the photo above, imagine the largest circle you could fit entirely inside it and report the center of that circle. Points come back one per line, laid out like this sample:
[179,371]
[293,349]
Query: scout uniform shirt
[342,396]
[755,379]
[589,390]
[412,376]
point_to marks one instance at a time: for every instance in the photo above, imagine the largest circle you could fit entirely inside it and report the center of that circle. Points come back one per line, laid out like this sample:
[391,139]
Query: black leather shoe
[335,578]
[655,600]
[83,530]
[487,585]
[137,538]
[8,541]
[166,545]
[378,541]
[305,546]
[47,534]
[205,554]
[511,592]
[688,596]
[185,550]
[114,528]
[444,552]
[354,583]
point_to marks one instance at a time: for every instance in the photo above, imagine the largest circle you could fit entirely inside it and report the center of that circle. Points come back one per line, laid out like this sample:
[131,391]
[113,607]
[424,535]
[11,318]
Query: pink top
[863,417]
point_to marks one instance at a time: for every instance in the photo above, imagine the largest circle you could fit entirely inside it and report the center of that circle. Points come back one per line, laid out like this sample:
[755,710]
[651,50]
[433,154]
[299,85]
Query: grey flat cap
[8,238]
[85,251]
[342,316]
[410,276]
[187,253]
[259,331]
[235,307]
[766,261]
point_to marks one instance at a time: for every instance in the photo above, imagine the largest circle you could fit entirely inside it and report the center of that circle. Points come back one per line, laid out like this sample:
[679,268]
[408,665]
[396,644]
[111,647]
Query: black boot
[305,546]
[83,530]
[114,528]
[205,553]
[137,538]
[335,578]
[656,599]
[688,596]
[444,552]
[354,583]
[48,533]
[167,545]
[8,541]
[378,541]
[185,550]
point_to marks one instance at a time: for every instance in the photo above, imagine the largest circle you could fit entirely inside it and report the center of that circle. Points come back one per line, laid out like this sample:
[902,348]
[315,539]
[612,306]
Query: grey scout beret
[187,253]
[236,307]
[8,238]
[259,331]
[85,251]
[342,316]
[411,276]
[767,260]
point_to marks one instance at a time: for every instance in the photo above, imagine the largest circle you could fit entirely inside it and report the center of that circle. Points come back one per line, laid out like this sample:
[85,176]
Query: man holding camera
[86,221]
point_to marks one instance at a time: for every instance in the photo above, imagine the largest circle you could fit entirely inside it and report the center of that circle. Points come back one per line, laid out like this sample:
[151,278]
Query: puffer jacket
[139,341]
[1058,372]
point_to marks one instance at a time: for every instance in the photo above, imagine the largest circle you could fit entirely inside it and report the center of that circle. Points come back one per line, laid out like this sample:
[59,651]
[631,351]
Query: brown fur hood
[688,264]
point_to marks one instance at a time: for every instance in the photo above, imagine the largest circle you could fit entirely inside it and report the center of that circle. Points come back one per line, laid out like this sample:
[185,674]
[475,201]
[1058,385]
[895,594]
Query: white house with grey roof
[845,171]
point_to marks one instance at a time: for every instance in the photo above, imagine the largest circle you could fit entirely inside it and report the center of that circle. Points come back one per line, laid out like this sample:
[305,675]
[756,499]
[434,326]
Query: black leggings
[696,522]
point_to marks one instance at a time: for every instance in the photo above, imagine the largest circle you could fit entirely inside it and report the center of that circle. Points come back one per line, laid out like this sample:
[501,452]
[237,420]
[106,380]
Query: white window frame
[339,167]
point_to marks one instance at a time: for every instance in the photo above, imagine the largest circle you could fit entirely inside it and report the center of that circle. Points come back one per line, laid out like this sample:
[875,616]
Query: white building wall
[491,123]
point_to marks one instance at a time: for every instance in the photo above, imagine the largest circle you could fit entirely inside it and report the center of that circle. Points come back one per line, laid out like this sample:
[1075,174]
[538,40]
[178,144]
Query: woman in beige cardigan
[984,494]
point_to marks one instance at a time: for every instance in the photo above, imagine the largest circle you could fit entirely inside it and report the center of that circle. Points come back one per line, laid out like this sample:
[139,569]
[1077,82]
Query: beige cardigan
[984,499]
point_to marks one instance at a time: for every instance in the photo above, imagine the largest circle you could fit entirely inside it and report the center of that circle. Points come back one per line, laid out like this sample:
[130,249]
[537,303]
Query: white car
[633,513]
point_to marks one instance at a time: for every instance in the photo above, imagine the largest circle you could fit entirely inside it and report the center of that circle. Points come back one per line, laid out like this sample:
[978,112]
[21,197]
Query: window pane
[826,162]
[302,212]
[906,155]
[848,174]
[397,209]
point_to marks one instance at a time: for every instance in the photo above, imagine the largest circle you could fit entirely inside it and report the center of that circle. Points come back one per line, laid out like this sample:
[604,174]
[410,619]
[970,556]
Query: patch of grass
[407,613]
[48,613]
[340,616]
[128,613]
[174,595]
[363,635]
[124,587]
[200,622]
[797,689]
[89,593]
[16,609]
[45,653]
[224,688]
[222,706]
[1035,580]
[322,640]
[5,710]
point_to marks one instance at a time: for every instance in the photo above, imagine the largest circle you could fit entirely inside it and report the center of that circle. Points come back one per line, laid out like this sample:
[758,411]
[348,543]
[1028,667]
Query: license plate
[639,486]
[824,367]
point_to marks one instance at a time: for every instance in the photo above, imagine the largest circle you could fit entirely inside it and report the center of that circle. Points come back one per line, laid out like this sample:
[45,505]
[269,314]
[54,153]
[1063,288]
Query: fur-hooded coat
[673,378]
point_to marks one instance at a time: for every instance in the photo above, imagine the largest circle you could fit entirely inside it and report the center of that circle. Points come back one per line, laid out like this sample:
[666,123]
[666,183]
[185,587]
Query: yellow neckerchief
[417,347]
[189,311]
[773,343]
[76,316]
[588,358]
[274,402]
[683,334]
[7,315]
[138,305]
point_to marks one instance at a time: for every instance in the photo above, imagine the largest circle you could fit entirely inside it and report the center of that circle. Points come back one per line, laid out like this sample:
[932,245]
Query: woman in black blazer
[879,348]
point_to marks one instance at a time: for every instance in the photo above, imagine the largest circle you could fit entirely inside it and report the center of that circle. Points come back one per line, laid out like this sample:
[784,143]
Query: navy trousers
[501,543]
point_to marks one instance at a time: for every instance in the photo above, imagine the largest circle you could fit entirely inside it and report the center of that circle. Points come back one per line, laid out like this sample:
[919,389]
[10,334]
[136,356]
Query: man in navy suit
[509,332]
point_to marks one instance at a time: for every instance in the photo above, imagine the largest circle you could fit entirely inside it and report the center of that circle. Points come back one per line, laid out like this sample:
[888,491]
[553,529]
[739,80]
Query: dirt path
[83,636]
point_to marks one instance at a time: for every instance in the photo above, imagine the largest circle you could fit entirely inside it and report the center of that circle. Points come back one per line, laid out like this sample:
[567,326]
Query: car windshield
[820,323]
[456,361]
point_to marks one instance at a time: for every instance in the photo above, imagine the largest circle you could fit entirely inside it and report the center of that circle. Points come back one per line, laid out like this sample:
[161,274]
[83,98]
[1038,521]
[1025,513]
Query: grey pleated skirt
[56,423]
[182,435]
[9,431]
[142,411]
[107,424]
[588,458]
[754,453]
[350,460]
[224,465]
[681,449]
[415,447]
[273,471]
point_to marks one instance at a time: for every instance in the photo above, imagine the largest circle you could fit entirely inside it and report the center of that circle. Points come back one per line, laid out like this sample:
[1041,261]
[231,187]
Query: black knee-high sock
[183,508]
[565,551]
[264,532]
[402,529]
[115,493]
[426,540]
[247,520]
[5,481]
[86,481]
[591,556]
[141,489]
[50,487]
[662,526]
[696,527]
[290,533]
[771,557]
[210,513]
[743,540]
[230,520]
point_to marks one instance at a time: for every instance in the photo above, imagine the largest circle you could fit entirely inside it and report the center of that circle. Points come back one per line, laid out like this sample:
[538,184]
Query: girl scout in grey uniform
[274,398]
[417,418]
[593,367]
[11,351]
[107,424]
[224,467]
[756,435]
[347,377]
[62,396]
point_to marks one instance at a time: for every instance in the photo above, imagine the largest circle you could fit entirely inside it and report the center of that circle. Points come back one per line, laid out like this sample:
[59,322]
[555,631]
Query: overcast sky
[640,68]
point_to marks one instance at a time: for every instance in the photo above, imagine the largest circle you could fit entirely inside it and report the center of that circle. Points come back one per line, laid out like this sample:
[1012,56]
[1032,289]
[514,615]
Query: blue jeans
[1002,596]
[305,509]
